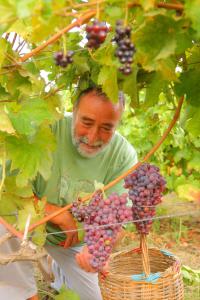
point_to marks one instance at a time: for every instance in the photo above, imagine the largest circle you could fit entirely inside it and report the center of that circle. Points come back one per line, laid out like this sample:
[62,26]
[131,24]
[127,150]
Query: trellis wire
[192,213]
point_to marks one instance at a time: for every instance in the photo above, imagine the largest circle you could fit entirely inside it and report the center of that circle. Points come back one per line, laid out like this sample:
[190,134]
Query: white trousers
[67,271]
[17,280]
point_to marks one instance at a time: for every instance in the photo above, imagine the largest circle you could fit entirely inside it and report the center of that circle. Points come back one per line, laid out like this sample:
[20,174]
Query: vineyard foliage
[164,68]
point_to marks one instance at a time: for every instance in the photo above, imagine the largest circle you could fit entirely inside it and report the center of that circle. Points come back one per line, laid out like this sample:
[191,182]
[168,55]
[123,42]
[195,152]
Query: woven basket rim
[168,272]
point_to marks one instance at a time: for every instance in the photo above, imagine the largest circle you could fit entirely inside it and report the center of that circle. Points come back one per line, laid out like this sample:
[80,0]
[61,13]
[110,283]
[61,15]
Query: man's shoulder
[63,123]
[119,141]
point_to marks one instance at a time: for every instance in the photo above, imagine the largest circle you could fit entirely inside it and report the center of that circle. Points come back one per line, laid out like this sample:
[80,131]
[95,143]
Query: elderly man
[88,149]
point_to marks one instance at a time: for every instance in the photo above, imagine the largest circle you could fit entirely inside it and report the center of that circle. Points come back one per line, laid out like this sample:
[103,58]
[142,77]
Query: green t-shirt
[73,175]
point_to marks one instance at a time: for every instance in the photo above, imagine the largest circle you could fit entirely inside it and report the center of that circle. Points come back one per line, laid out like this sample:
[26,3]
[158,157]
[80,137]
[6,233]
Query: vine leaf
[65,293]
[31,156]
[3,49]
[155,40]
[28,116]
[108,79]
[39,234]
[193,124]
[192,11]
[6,124]
[189,85]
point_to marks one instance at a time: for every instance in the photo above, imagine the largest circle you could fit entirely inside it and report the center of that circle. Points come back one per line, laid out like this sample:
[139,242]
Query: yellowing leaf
[5,123]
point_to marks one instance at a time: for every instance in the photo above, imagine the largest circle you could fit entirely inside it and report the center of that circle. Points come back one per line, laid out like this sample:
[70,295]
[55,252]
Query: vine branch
[11,228]
[112,183]
[24,254]
[84,18]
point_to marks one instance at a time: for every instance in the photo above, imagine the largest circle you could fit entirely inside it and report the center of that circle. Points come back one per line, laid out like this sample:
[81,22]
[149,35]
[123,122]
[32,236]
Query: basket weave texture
[118,284]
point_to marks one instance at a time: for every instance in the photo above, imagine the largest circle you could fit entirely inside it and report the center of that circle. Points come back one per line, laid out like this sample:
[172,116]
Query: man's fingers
[75,239]
[83,262]
[68,241]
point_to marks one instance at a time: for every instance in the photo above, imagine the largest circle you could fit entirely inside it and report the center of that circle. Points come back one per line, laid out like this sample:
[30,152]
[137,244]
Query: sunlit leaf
[32,156]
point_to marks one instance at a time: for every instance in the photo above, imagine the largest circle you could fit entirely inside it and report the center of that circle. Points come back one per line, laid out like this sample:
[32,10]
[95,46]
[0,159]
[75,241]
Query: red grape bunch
[125,48]
[102,218]
[96,34]
[145,189]
[63,60]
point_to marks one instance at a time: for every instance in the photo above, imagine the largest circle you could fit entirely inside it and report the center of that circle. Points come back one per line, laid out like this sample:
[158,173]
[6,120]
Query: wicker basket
[119,284]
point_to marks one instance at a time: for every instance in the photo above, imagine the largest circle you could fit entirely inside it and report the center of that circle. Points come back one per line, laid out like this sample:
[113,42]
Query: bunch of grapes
[96,34]
[145,189]
[63,60]
[102,221]
[125,48]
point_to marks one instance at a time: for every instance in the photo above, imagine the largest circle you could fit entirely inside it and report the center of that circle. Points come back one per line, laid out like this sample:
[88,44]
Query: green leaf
[65,293]
[11,187]
[31,156]
[5,123]
[192,11]
[72,41]
[108,79]
[27,117]
[25,8]
[8,207]
[105,55]
[3,49]
[189,85]
[114,12]
[8,12]
[39,235]
[154,89]
[147,4]
[23,28]
[194,163]
[81,64]
[193,124]
[167,69]
[129,86]
[155,40]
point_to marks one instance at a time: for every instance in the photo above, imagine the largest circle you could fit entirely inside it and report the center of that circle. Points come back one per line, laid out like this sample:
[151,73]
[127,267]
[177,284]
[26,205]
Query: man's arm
[66,222]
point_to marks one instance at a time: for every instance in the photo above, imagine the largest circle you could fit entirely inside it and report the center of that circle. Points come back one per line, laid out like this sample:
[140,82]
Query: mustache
[84,140]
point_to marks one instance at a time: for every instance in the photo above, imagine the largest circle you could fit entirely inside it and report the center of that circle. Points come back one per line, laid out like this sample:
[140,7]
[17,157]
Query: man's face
[94,123]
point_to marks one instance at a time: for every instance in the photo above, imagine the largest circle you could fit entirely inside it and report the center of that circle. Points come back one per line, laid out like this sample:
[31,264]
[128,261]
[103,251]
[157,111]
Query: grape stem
[112,183]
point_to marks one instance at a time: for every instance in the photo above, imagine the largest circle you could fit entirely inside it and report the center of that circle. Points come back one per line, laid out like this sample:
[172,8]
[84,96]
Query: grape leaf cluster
[102,221]
[125,48]
[145,189]
[63,60]
[96,34]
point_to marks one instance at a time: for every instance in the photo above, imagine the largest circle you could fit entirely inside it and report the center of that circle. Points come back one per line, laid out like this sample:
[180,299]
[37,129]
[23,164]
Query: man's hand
[66,222]
[83,260]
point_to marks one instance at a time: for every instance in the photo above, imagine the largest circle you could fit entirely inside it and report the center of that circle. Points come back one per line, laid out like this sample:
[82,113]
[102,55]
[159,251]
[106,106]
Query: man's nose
[93,135]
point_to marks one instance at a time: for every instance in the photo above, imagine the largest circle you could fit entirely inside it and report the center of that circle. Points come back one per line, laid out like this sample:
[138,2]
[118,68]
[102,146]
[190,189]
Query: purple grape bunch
[102,219]
[63,60]
[96,34]
[146,186]
[125,48]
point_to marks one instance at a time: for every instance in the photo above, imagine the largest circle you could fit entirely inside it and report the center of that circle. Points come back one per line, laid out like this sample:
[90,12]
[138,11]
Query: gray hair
[98,92]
